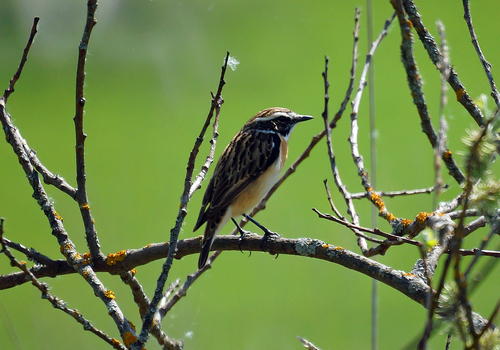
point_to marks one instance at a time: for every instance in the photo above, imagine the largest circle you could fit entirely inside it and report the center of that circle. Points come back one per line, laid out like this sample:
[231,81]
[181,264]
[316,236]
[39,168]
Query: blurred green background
[150,69]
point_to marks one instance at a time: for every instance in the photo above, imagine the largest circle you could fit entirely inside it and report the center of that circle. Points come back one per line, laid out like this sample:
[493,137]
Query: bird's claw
[243,233]
[267,236]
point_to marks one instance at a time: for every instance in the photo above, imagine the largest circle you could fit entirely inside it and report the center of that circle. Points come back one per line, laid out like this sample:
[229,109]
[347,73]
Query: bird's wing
[247,156]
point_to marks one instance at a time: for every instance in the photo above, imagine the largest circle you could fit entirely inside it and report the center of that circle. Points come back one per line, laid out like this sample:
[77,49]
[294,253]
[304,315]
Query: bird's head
[275,120]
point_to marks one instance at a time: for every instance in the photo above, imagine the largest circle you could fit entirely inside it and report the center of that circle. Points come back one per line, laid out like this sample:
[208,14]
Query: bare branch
[24,58]
[436,56]
[320,135]
[307,344]
[486,64]
[56,302]
[143,302]
[391,239]
[185,197]
[81,195]
[74,259]
[478,252]
[391,194]
[31,253]
[353,138]
[332,205]
[415,85]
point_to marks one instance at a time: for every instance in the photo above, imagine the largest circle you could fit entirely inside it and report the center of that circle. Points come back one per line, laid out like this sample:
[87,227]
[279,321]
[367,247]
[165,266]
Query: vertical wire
[373,168]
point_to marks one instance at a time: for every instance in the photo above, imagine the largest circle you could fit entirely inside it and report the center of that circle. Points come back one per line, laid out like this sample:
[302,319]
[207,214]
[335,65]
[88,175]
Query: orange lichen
[338,248]
[147,245]
[133,271]
[447,154]
[85,206]
[410,24]
[460,93]
[113,258]
[421,217]
[132,325]
[129,338]
[85,274]
[406,222]
[110,294]
[390,217]
[408,274]
[115,342]
[65,248]
[377,200]
[58,217]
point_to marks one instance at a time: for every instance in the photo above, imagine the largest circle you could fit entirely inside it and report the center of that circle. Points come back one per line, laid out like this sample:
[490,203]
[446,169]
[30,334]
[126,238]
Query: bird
[247,169]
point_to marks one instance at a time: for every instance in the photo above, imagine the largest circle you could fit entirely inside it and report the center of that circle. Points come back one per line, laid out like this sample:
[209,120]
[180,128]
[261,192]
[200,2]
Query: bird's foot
[268,235]
[243,233]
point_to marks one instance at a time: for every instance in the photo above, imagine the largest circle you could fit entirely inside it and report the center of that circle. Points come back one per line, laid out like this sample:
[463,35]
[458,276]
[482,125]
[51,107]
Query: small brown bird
[247,169]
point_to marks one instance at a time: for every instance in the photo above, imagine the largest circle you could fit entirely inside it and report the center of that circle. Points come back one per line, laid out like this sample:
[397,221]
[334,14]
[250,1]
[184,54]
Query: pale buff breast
[257,190]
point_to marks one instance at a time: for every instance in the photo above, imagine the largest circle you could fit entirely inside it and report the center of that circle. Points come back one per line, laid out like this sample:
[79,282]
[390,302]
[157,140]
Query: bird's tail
[213,227]
[205,251]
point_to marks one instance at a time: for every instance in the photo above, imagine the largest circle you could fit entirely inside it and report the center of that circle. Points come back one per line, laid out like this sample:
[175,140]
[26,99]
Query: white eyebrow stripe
[267,131]
[272,116]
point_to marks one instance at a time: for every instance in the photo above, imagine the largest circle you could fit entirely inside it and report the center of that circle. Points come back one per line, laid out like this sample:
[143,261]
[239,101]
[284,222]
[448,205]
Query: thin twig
[436,56]
[330,200]
[391,239]
[352,77]
[488,325]
[335,171]
[307,344]
[480,251]
[333,165]
[459,277]
[48,177]
[353,138]
[81,195]
[318,137]
[484,62]
[142,302]
[174,232]
[392,194]
[415,85]
[440,148]
[24,58]
[30,253]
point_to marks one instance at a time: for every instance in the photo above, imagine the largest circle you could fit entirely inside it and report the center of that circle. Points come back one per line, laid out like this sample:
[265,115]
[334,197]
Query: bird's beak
[302,118]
